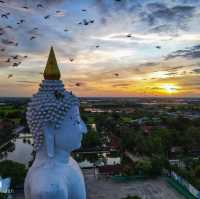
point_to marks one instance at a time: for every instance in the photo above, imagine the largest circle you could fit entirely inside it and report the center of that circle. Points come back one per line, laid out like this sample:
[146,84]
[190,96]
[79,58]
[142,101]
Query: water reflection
[21,150]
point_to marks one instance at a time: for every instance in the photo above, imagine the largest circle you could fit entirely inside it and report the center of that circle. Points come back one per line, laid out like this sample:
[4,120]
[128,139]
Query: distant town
[153,139]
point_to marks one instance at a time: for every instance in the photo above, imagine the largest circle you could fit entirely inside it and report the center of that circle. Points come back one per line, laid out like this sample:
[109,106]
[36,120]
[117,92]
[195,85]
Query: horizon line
[186,97]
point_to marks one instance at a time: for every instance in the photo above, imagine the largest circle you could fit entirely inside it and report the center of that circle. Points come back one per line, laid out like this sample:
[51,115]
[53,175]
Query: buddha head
[53,114]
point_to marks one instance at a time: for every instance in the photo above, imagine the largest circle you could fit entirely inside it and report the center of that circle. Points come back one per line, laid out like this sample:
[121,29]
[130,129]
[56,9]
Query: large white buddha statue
[54,120]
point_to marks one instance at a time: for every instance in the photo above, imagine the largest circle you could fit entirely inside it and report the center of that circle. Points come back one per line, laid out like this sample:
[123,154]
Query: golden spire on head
[51,71]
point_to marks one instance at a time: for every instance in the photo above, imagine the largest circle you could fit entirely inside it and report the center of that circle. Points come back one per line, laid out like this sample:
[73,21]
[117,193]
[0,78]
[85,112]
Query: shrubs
[147,168]
[132,197]
[143,167]
[197,171]
[151,168]
[12,169]
[91,140]
[3,196]
[188,175]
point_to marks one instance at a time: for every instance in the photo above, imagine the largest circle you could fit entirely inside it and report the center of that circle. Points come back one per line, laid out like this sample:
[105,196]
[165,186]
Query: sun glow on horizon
[169,88]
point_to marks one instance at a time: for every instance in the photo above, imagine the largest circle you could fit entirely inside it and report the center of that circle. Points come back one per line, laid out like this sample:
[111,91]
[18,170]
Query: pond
[23,149]
[22,152]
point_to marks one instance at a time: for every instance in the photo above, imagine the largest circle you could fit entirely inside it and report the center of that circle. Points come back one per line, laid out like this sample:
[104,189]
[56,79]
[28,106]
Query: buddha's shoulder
[46,189]
[46,184]
[74,167]
[50,181]
[73,163]
[53,170]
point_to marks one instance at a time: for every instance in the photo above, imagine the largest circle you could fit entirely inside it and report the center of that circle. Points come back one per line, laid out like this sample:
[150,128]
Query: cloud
[8,42]
[50,1]
[108,8]
[27,3]
[191,83]
[121,85]
[153,7]
[149,64]
[102,6]
[151,23]
[29,82]
[175,68]
[195,2]
[155,88]
[171,74]
[165,28]
[196,70]
[191,53]
[177,16]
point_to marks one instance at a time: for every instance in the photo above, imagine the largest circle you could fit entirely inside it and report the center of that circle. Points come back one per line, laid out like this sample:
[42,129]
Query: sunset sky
[103,47]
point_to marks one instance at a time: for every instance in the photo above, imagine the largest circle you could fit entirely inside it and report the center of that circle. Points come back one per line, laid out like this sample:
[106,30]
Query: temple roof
[52,71]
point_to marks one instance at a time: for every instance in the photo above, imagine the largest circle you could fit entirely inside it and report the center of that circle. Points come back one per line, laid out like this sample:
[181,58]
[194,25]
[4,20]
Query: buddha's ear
[49,140]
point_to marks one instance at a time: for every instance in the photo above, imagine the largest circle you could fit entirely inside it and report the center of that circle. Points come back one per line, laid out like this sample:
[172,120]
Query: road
[148,189]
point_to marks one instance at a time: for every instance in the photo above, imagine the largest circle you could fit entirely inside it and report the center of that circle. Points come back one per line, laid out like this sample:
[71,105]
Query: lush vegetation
[91,139]
[159,140]
[191,171]
[3,196]
[14,170]
[155,144]
[149,133]
[144,167]
[7,134]
[15,113]
[132,197]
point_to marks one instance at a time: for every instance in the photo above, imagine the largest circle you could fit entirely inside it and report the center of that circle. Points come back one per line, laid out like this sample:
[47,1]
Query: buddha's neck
[60,156]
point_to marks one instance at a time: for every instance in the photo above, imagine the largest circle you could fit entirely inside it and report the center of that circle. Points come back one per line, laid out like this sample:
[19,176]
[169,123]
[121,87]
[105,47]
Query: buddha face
[68,137]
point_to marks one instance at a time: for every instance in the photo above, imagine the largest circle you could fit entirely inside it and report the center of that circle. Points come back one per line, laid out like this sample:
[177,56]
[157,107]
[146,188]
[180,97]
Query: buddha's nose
[83,127]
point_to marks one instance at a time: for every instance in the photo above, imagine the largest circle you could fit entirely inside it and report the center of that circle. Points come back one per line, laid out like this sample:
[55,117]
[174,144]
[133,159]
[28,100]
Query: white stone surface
[57,128]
